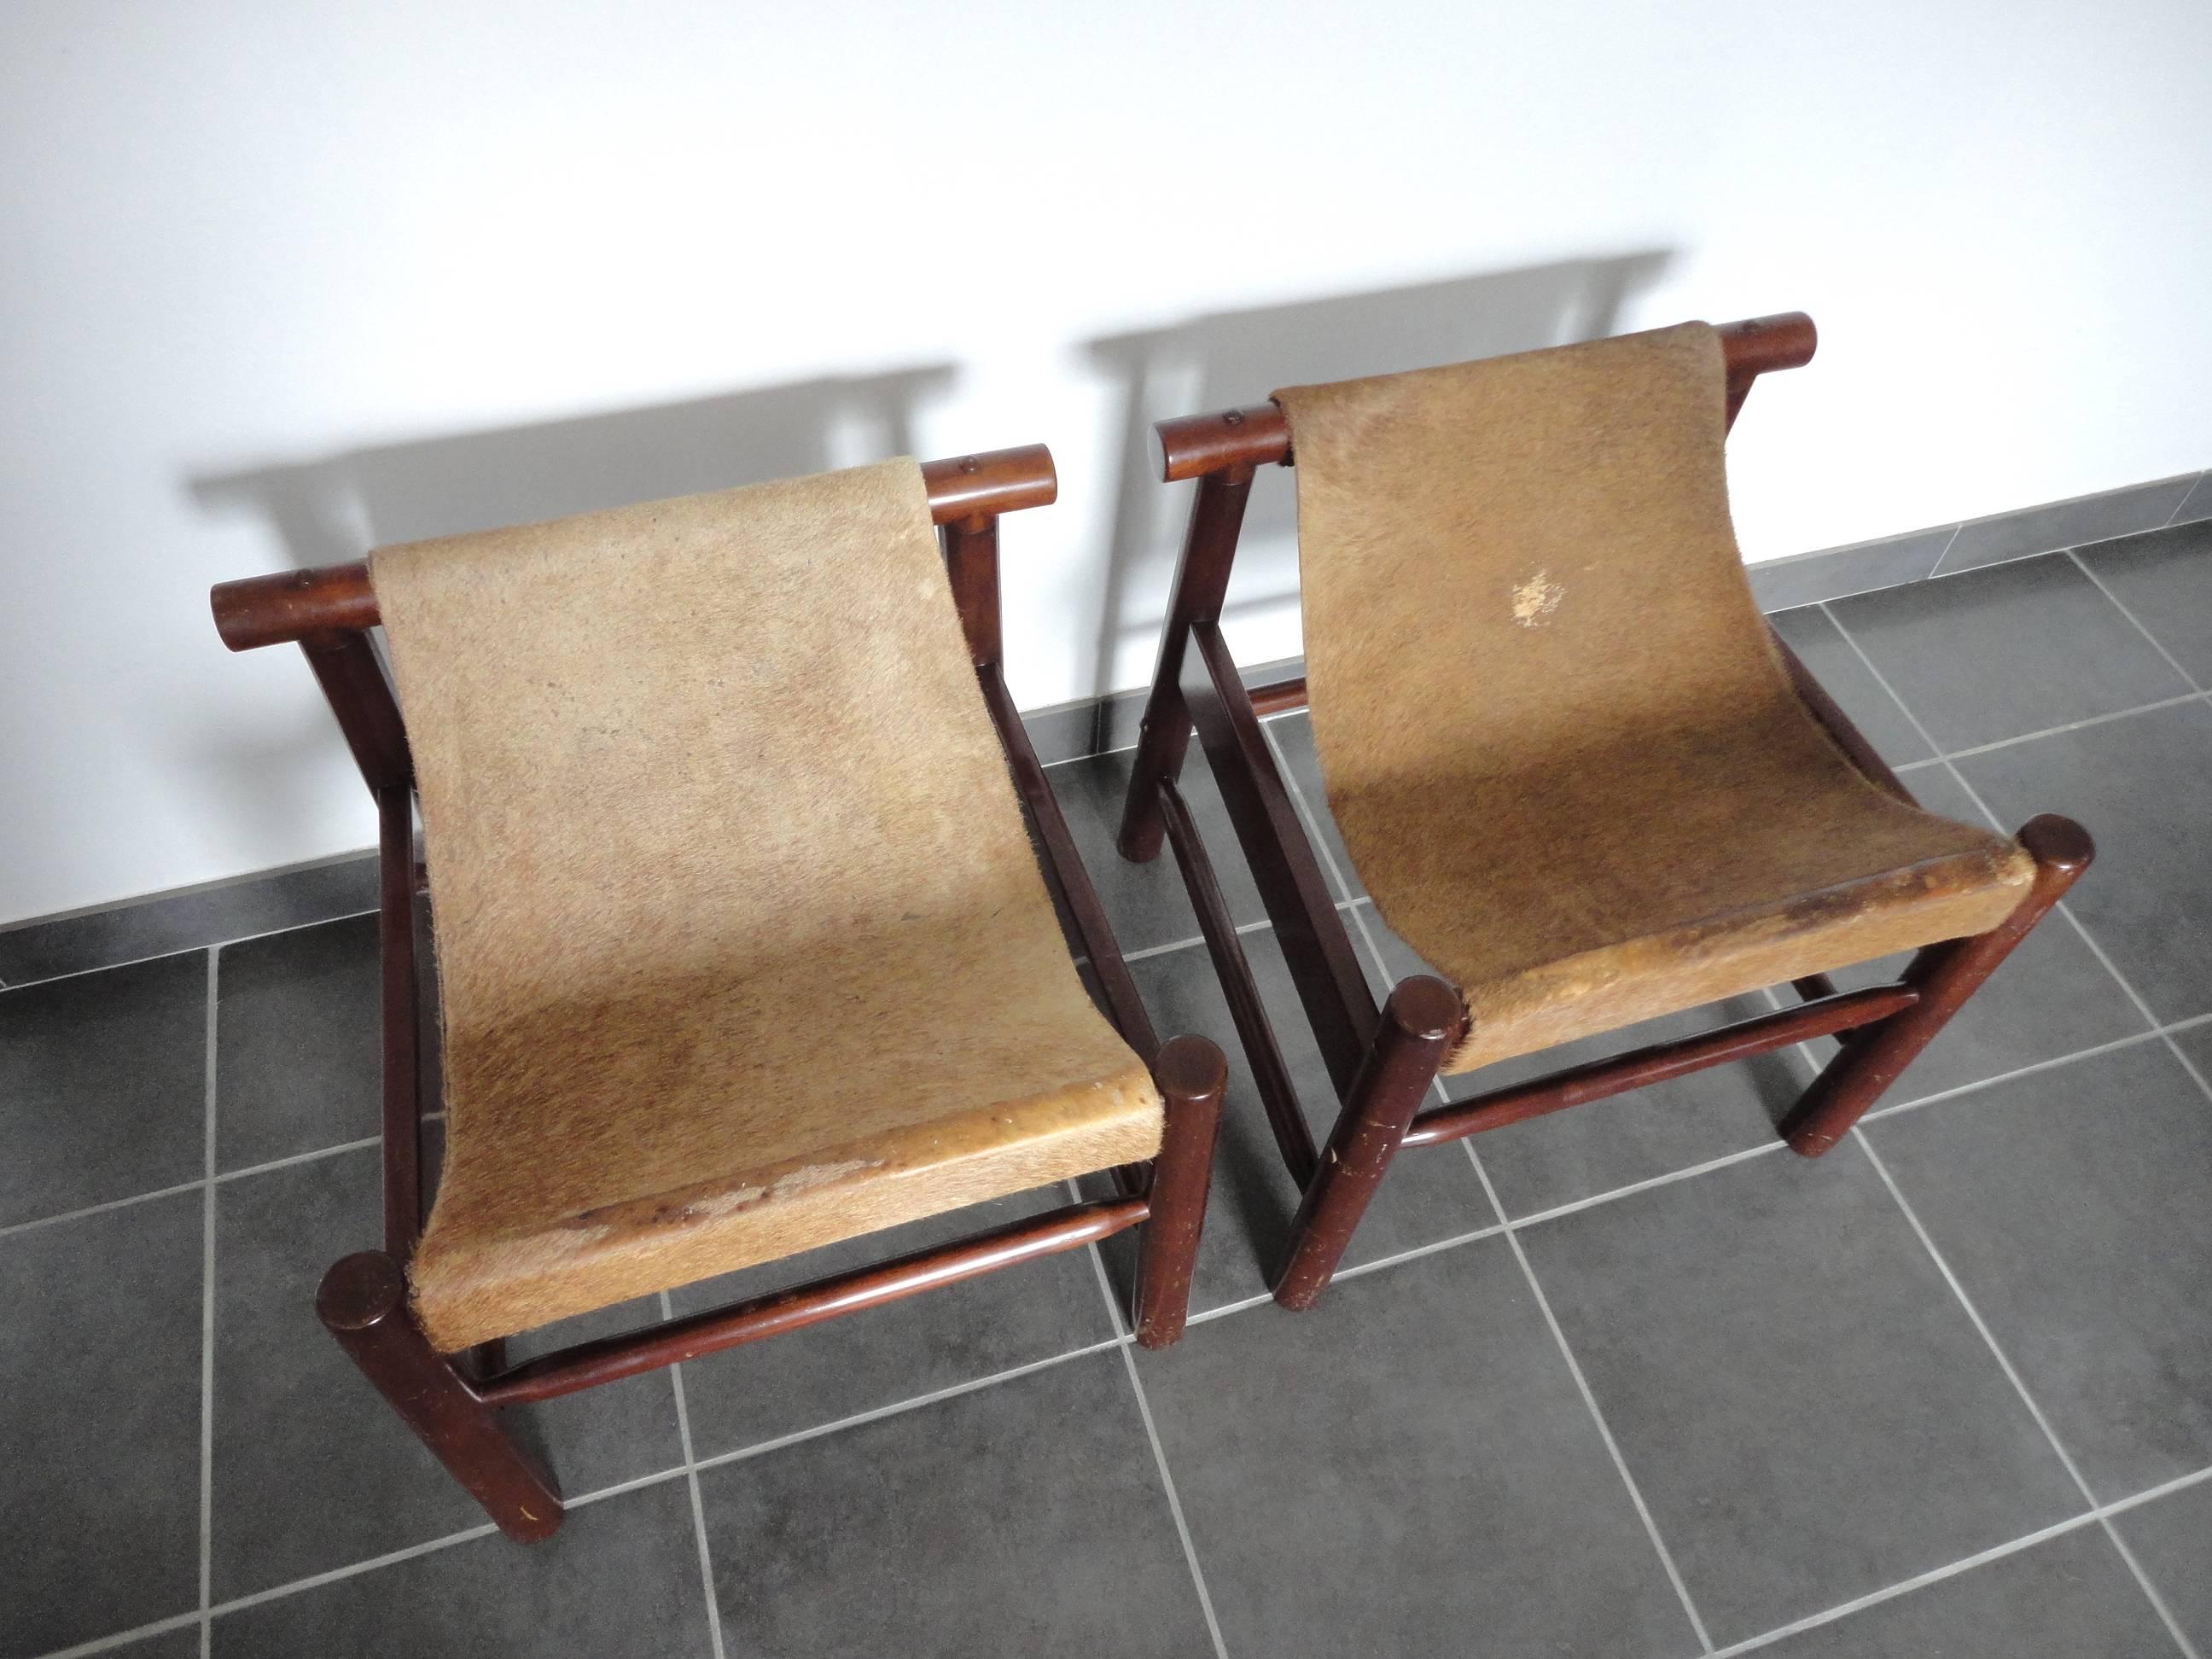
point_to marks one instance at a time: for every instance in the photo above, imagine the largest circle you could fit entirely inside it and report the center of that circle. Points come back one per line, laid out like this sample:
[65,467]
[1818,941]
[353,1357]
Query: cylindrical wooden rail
[1641,1067]
[1194,445]
[291,604]
[609,1359]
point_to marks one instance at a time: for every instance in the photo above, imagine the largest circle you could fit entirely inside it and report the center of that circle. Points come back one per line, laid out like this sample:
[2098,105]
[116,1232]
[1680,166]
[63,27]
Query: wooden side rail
[1090,935]
[1639,1068]
[296,604]
[1193,445]
[611,1358]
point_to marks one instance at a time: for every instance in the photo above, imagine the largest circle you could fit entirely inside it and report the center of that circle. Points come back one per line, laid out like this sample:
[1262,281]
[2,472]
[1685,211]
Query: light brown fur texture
[743,946]
[1565,757]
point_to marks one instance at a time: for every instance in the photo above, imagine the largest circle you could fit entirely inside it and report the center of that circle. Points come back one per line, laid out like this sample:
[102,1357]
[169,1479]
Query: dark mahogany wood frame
[1383,1061]
[452,1401]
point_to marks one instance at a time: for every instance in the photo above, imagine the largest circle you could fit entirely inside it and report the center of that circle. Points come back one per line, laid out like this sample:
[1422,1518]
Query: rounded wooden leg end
[2058,844]
[1164,1330]
[361,1291]
[1808,1143]
[1140,838]
[1426,1009]
[1190,1068]
[532,1522]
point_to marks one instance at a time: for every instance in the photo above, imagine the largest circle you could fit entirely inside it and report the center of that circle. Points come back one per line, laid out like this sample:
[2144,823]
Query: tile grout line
[898,1407]
[1973,750]
[354,1568]
[108,1644]
[698,1507]
[1244,929]
[102,1208]
[1507,1227]
[1125,1343]
[193,1186]
[1875,1598]
[1936,568]
[1575,1207]
[2174,662]
[179,950]
[207,1312]
[1174,1504]
[2127,1556]
[2187,496]
[2163,1028]
[2134,1039]
[2019,1387]
[1359,1270]
[429,1546]
[432,1545]
[1597,1415]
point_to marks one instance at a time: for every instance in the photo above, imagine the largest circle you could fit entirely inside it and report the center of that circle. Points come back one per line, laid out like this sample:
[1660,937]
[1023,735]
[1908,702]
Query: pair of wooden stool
[742,948]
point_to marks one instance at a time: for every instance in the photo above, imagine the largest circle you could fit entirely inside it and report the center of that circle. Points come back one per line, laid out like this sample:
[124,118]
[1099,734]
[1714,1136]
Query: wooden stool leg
[1945,975]
[364,1303]
[1420,1023]
[1200,580]
[1192,1074]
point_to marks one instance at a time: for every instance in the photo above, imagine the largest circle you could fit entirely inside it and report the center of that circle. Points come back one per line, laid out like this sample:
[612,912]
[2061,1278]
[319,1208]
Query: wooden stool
[744,948]
[1573,767]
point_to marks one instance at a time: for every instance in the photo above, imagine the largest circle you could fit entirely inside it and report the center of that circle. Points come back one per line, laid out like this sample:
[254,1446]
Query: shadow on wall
[1238,357]
[334,509]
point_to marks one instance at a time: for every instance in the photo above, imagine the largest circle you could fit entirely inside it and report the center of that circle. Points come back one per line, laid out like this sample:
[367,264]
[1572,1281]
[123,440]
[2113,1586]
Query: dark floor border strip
[297,895]
[1836,573]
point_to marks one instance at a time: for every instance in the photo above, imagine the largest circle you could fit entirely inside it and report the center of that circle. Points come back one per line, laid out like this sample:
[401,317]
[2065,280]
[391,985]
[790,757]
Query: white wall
[279,276]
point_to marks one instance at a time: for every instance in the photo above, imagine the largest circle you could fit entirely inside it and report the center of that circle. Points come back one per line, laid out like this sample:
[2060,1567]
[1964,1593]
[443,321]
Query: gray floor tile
[2075,1206]
[2143,787]
[185,922]
[620,1578]
[1603,1145]
[1999,653]
[1822,646]
[1432,1194]
[1146,902]
[1416,1475]
[2171,1537]
[312,1471]
[299,1042]
[838,1369]
[1027,1517]
[99,1431]
[2164,579]
[2051,998]
[1292,735]
[1809,1412]
[2196,1043]
[1809,578]
[2066,524]
[103,1086]
[2070,1598]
